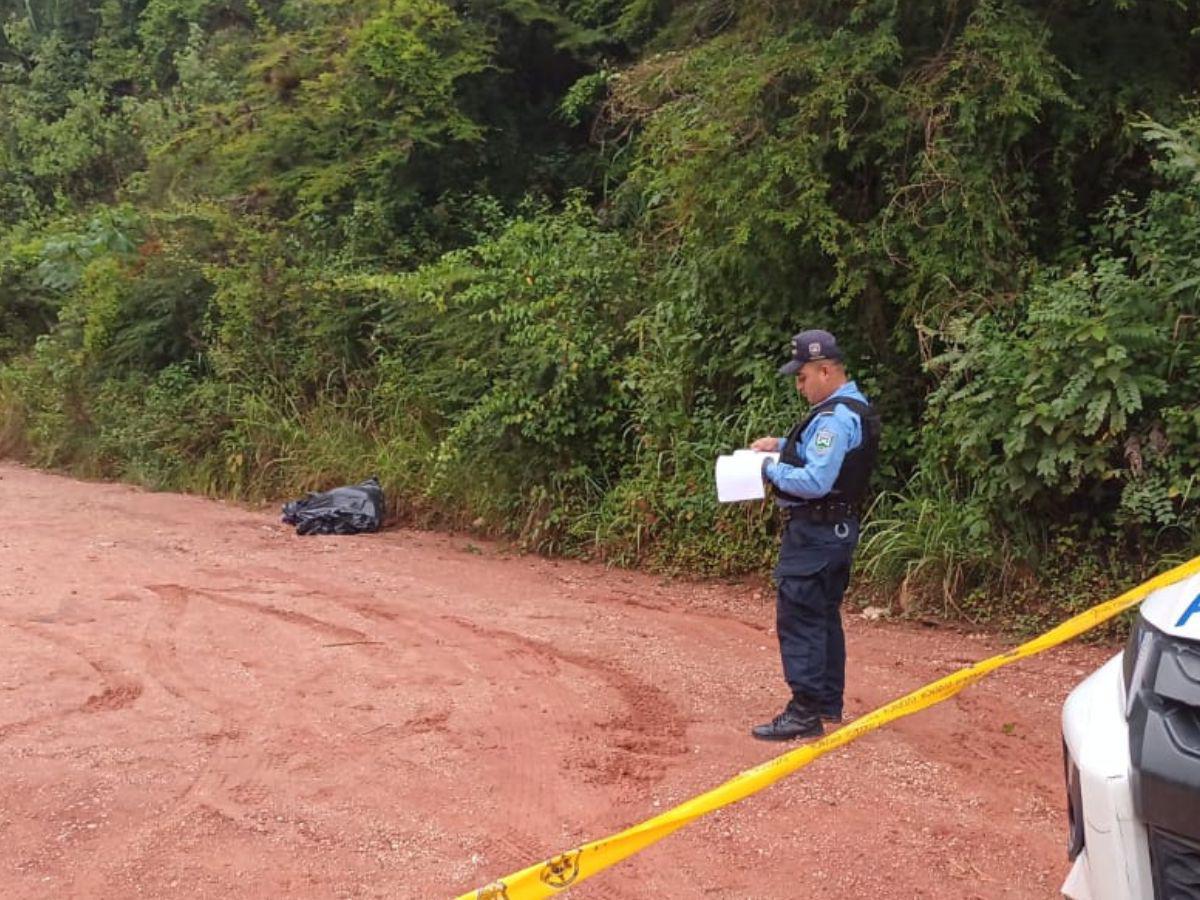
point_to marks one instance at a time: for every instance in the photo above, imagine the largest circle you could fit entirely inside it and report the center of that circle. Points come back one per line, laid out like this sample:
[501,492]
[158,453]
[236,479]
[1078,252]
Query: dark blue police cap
[810,346]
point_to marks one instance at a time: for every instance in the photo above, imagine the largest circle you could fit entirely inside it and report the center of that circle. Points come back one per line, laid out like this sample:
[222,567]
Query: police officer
[820,482]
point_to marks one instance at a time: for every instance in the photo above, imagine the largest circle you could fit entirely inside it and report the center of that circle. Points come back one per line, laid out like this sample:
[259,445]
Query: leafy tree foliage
[1086,389]
[535,262]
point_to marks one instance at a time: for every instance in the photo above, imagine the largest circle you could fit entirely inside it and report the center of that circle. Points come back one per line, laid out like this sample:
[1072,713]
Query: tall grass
[936,547]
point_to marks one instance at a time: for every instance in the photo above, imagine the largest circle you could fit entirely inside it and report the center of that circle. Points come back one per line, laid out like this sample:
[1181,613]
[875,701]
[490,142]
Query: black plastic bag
[344,510]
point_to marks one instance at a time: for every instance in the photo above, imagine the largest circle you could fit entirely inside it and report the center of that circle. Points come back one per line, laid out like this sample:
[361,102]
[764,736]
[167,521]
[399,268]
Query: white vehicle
[1131,742]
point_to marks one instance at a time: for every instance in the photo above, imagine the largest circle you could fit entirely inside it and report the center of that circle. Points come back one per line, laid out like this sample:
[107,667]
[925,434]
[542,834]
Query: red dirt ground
[195,702]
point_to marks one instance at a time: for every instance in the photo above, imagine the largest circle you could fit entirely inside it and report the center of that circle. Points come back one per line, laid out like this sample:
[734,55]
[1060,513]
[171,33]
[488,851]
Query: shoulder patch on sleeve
[823,440]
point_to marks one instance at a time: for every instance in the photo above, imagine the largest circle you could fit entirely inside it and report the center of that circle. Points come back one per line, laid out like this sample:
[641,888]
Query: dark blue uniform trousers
[812,575]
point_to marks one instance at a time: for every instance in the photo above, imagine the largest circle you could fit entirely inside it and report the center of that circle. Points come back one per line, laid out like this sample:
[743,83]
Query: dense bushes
[1087,387]
[535,261]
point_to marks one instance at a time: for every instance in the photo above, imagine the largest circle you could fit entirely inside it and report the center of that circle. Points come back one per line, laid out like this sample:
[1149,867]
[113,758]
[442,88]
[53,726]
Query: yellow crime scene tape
[560,872]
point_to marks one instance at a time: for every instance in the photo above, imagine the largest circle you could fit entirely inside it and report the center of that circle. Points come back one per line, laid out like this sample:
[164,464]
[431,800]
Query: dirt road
[194,702]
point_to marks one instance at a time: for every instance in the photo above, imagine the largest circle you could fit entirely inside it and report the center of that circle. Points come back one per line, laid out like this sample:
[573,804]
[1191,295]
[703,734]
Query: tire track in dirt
[642,740]
[227,785]
[227,792]
[358,601]
[629,751]
[118,688]
[222,598]
[240,719]
[516,743]
[223,763]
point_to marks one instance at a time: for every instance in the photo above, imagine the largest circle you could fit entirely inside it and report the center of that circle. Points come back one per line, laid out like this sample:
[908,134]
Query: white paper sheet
[739,475]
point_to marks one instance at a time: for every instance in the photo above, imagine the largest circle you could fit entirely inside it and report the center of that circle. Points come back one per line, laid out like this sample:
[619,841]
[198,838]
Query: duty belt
[825,511]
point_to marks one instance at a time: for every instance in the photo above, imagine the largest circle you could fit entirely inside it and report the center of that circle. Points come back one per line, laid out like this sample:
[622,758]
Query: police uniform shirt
[824,444]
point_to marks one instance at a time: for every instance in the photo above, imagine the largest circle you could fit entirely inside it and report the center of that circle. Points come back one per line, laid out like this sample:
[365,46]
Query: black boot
[794,722]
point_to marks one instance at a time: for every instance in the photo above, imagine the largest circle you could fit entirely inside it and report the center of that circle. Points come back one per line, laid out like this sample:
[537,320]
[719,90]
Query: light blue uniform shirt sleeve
[827,440]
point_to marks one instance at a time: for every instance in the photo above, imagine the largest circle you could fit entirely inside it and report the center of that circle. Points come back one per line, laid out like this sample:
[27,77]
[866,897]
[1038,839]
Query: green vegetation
[534,262]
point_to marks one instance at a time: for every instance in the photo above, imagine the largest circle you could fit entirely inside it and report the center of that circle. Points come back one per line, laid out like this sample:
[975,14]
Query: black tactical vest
[850,489]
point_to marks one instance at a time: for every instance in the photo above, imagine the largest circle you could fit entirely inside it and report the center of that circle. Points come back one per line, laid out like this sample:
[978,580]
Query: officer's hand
[765,445]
